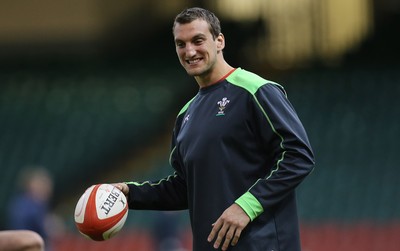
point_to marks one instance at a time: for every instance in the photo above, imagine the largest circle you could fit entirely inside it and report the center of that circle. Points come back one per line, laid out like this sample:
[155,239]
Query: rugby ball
[101,212]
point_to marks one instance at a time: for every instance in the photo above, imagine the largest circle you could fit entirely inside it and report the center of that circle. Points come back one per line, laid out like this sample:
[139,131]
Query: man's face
[196,49]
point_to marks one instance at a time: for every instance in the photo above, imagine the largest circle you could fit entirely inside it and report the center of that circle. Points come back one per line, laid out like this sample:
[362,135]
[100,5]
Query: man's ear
[220,42]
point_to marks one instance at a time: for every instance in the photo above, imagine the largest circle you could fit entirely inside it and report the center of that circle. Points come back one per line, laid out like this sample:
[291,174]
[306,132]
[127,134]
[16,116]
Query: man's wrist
[250,205]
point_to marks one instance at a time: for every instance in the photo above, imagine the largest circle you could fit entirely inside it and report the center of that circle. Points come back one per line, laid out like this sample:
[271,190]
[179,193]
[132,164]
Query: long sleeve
[165,194]
[286,142]
[169,193]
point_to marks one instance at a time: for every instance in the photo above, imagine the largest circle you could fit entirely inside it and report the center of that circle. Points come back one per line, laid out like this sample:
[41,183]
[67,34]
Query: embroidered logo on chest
[222,105]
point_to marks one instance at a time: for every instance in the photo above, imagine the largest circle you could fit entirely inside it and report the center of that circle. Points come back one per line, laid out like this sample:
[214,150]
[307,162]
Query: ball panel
[109,201]
[115,229]
[81,205]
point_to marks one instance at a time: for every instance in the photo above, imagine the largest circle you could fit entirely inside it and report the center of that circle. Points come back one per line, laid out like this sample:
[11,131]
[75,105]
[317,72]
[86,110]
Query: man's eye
[180,44]
[198,41]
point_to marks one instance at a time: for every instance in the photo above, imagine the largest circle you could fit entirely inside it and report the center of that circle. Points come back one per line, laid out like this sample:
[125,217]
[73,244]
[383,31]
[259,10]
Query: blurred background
[89,91]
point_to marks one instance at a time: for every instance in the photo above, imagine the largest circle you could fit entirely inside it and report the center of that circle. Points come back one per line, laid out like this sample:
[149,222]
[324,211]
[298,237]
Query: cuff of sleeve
[250,205]
[132,185]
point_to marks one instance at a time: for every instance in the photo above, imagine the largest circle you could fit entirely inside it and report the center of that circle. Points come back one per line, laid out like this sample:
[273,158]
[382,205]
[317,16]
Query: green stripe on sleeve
[250,205]
[151,183]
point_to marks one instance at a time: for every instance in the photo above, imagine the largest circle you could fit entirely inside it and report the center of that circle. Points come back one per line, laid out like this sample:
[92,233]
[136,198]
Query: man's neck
[217,74]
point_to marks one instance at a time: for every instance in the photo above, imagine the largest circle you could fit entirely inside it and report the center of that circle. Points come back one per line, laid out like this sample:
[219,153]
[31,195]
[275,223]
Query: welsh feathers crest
[222,105]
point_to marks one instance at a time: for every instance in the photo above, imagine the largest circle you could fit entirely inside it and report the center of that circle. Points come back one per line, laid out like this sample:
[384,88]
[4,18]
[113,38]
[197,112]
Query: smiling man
[238,151]
[199,50]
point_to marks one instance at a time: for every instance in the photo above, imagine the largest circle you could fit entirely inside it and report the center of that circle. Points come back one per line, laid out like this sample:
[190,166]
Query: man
[238,150]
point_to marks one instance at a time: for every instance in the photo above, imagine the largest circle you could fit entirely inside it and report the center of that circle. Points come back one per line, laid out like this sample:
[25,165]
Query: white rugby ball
[101,212]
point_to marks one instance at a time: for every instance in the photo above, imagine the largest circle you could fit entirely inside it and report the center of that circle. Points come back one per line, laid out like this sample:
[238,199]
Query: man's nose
[190,51]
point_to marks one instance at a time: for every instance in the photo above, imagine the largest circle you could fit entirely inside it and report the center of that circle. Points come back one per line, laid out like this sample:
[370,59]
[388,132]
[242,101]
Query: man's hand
[229,226]
[123,187]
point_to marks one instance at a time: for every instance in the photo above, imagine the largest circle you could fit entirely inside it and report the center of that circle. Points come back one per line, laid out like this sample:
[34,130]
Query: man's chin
[194,72]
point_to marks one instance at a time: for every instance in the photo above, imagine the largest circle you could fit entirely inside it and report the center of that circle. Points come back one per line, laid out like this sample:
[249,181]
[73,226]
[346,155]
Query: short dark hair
[191,14]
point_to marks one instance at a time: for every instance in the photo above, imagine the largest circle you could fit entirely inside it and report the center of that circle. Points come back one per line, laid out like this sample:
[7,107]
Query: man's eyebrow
[198,36]
[195,37]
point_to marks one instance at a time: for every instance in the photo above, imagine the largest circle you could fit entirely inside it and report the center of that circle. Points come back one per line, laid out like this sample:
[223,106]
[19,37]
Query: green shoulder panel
[249,81]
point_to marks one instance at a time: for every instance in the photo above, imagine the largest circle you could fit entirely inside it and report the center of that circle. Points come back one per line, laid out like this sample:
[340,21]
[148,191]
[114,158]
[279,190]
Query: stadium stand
[75,121]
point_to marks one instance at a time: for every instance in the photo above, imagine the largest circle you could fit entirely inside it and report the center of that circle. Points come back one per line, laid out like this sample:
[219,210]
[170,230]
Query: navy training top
[237,141]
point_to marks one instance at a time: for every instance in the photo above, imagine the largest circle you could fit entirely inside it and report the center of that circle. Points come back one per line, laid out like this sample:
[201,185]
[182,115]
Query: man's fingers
[228,237]
[220,236]
[216,226]
[228,227]
[236,237]
[122,186]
